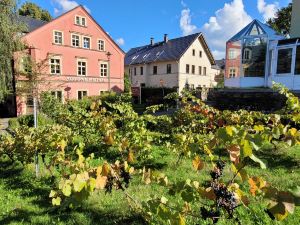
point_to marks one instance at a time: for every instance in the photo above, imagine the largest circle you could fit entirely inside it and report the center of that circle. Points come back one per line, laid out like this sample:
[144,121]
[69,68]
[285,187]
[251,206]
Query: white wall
[151,80]
[196,79]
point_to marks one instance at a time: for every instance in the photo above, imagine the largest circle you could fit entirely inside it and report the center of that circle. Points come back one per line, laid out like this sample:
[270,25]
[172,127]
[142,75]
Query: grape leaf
[197,163]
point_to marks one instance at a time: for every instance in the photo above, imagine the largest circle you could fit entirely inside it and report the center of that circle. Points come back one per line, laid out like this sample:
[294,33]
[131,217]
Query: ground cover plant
[102,163]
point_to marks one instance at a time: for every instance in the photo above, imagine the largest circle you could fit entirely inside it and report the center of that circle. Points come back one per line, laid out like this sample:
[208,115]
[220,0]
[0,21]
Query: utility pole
[37,169]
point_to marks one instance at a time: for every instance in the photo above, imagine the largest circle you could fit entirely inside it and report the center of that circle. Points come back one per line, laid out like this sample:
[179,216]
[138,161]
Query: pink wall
[233,63]
[42,43]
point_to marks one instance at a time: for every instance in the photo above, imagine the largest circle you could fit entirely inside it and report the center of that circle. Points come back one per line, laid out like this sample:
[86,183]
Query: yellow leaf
[197,163]
[101,182]
[130,157]
[279,212]
[109,140]
[56,201]
[234,151]
[105,170]
[256,184]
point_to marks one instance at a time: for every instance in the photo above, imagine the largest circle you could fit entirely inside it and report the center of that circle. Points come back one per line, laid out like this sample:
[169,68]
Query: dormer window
[81,21]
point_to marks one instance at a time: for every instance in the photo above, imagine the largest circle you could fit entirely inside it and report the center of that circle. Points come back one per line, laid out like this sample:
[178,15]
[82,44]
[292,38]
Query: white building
[181,62]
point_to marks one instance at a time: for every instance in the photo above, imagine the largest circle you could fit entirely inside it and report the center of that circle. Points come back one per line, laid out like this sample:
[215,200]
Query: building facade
[181,62]
[257,57]
[80,58]
[295,26]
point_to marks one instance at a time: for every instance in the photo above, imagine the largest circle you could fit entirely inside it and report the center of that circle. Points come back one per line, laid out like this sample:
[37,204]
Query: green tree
[9,43]
[34,11]
[127,84]
[282,20]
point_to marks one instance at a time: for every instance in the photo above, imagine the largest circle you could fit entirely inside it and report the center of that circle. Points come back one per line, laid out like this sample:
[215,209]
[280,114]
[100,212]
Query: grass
[24,200]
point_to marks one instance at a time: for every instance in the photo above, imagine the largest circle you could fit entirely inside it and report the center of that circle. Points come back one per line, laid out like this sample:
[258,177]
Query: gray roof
[164,51]
[263,29]
[220,64]
[31,23]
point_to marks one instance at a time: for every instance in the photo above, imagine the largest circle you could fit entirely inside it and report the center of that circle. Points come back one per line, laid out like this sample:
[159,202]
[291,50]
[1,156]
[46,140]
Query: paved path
[3,125]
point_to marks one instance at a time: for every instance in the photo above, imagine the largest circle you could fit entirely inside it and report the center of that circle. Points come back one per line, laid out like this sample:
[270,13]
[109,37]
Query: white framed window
[75,40]
[86,42]
[81,94]
[81,67]
[83,21]
[204,71]
[80,20]
[101,45]
[55,66]
[200,70]
[200,54]
[58,37]
[231,54]
[103,69]
[232,72]
[284,61]
[77,20]
[58,95]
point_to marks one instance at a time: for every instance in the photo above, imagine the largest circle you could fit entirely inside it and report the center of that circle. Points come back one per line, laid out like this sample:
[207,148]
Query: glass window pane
[284,61]
[254,57]
[297,66]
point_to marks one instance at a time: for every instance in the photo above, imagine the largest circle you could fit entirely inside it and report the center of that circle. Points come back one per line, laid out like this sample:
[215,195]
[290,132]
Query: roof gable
[162,51]
[88,15]
[256,28]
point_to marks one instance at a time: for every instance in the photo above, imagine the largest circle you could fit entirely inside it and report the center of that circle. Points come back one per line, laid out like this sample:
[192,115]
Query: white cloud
[120,41]
[218,54]
[227,22]
[66,5]
[186,25]
[267,10]
[183,3]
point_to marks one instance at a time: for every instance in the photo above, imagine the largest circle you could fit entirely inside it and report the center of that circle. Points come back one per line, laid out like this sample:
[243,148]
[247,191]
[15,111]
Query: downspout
[178,77]
[14,88]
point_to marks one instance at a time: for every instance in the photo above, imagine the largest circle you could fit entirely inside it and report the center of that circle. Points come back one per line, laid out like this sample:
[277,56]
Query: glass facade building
[247,56]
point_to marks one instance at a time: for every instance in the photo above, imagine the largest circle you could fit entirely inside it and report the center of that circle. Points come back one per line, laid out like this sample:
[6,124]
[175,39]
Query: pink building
[80,58]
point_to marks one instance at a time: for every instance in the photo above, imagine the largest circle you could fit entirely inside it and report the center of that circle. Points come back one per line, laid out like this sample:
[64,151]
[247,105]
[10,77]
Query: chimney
[166,38]
[152,41]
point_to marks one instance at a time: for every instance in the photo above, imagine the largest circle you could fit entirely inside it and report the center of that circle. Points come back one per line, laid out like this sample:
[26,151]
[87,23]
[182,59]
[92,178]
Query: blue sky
[132,22]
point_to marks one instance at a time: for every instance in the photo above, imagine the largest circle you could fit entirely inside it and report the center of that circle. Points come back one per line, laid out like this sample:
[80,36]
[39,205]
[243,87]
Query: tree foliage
[127,83]
[282,20]
[33,10]
[9,43]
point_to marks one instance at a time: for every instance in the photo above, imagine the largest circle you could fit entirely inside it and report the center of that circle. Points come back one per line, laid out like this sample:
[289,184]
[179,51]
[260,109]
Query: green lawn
[24,200]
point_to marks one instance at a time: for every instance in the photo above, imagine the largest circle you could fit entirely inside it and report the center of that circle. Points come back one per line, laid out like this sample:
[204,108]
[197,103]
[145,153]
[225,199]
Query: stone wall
[265,100]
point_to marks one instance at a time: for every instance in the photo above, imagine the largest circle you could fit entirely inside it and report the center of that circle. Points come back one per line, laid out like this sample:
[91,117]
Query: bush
[28,120]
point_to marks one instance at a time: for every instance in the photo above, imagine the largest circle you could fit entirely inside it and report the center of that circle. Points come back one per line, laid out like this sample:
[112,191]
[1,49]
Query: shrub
[28,120]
